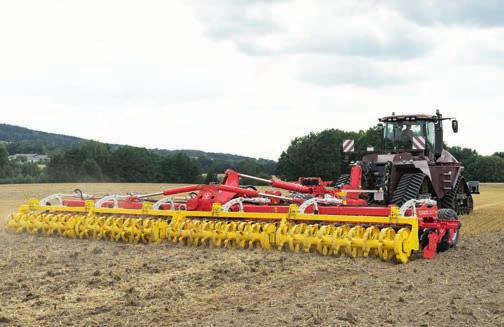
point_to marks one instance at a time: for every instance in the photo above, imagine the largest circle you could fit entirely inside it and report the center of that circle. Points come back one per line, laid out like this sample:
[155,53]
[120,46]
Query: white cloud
[488,13]
[245,76]
[333,70]
[304,26]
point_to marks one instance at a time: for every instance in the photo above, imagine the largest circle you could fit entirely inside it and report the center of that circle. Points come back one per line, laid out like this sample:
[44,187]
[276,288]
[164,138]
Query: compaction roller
[305,215]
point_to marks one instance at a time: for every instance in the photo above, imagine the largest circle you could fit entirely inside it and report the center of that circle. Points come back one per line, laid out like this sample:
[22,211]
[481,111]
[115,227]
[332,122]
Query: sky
[248,76]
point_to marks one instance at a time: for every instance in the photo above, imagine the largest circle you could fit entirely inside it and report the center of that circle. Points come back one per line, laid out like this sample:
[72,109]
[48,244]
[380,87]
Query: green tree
[73,159]
[371,137]
[220,165]
[166,170]
[30,169]
[499,154]
[490,169]
[90,171]
[464,155]
[469,158]
[58,169]
[205,163]
[26,146]
[211,177]
[97,151]
[131,164]
[185,169]
[269,166]
[4,156]
[252,167]
[316,154]
[179,168]
[4,162]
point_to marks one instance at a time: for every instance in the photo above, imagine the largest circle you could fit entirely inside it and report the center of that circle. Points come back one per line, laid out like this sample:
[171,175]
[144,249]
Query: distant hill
[11,133]
[198,153]
[39,142]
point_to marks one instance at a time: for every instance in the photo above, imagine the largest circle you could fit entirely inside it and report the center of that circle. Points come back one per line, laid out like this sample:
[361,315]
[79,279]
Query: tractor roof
[408,117]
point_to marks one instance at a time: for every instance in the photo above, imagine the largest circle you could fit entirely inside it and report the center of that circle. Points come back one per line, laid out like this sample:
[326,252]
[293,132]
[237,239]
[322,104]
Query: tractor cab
[417,134]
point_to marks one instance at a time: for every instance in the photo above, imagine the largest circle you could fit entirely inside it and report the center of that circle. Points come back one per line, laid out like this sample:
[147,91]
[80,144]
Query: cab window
[398,135]
[431,136]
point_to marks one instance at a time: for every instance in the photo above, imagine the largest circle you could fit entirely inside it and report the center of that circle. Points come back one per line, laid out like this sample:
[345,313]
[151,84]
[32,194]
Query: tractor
[414,164]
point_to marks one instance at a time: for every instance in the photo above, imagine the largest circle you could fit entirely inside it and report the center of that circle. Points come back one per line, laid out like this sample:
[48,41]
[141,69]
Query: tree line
[19,171]
[316,154]
[486,169]
[319,154]
[98,162]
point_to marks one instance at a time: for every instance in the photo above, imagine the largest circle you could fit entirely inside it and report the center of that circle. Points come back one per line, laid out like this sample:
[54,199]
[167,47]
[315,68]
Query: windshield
[399,135]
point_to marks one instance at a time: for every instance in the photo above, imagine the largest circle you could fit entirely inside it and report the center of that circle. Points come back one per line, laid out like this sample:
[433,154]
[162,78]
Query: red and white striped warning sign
[418,143]
[348,146]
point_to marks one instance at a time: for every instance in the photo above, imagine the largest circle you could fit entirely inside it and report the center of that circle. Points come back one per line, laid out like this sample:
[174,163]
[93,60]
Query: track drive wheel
[459,198]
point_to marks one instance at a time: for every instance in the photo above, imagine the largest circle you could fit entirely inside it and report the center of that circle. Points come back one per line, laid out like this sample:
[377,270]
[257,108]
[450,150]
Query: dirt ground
[51,281]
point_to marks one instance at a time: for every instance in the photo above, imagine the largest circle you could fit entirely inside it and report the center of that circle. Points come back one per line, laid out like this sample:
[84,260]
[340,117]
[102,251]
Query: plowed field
[51,281]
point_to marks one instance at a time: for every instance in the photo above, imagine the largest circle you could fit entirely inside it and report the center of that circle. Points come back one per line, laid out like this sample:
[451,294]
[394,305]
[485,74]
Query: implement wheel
[447,215]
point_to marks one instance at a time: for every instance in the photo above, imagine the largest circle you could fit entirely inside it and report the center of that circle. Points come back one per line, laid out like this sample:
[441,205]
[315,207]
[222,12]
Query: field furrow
[52,281]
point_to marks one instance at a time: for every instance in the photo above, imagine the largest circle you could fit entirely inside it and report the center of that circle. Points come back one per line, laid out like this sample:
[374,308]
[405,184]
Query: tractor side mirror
[455,125]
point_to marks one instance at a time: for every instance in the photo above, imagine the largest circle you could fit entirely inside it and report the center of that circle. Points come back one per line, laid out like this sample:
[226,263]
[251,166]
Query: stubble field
[51,281]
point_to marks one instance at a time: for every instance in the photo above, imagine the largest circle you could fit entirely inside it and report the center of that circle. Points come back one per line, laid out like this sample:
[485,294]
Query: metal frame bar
[293,214]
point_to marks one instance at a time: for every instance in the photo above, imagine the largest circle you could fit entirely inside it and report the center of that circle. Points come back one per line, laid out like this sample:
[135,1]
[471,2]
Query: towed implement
[306,215]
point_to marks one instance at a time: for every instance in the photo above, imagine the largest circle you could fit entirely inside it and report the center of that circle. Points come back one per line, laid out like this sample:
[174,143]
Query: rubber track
[448,201]
[408,188]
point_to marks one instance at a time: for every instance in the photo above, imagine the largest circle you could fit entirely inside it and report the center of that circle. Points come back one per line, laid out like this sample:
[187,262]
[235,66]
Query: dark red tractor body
[412,163]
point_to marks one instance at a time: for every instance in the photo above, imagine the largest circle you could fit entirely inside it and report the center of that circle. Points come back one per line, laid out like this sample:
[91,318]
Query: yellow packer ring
[325,234]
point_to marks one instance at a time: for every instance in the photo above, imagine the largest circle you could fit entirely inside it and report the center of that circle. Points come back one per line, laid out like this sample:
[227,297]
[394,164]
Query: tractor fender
[423,166]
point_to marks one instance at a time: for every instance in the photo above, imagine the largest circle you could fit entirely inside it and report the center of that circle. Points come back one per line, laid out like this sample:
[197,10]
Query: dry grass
[51,281]
[488,213]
